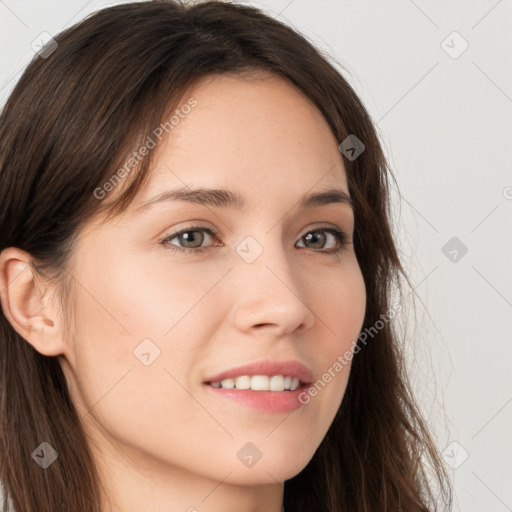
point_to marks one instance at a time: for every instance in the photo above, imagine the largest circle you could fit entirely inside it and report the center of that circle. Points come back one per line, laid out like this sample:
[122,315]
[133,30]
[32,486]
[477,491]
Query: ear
[27,303]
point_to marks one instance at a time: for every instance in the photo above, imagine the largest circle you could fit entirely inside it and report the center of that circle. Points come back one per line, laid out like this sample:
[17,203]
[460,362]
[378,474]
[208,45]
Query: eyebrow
[222,198]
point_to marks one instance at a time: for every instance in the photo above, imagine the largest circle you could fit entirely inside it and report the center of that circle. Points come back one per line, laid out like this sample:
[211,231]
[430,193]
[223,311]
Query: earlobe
[27,305]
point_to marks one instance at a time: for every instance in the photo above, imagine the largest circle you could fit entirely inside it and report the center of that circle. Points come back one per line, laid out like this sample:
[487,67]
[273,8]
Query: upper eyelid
[216,232]
[213,231]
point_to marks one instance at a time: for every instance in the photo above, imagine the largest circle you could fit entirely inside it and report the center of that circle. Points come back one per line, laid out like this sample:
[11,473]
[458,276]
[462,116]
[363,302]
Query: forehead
[247,131]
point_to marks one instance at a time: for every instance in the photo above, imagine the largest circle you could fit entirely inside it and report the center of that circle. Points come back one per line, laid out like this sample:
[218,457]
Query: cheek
[132,323]
[340,307]
[136,300]
[135,347]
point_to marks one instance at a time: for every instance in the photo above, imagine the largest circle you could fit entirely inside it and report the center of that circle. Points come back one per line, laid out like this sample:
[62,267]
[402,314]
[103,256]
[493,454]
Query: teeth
[259,383]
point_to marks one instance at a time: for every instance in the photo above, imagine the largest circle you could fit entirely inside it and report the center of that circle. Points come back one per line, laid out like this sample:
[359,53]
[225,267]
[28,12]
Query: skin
[161,440]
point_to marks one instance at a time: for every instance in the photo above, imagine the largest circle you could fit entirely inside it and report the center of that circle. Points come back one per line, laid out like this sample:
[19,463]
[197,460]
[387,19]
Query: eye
[319,237]
[192,237]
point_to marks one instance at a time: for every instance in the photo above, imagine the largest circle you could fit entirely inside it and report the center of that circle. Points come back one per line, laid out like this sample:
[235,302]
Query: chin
[269,469]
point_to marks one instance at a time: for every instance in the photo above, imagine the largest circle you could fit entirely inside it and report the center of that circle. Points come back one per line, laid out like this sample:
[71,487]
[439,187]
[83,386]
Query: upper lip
[289,368]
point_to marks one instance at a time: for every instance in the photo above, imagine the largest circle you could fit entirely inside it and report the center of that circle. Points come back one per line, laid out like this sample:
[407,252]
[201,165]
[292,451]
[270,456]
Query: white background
[446,124]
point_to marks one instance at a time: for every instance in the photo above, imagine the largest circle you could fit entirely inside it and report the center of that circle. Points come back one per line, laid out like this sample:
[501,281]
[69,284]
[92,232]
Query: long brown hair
[75,117]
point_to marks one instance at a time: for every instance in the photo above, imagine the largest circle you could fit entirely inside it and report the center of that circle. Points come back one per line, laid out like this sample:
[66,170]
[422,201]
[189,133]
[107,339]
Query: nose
[270,295]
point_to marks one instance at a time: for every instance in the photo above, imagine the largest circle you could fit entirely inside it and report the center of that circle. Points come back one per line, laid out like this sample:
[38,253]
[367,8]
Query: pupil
[189,238]
[318,236]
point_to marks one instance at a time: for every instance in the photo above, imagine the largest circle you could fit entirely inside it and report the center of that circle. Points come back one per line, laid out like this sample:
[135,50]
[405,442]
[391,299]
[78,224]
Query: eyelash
[340,235]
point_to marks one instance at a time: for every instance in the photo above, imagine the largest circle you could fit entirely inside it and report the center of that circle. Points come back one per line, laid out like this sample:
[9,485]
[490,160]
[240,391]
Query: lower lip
[270,401]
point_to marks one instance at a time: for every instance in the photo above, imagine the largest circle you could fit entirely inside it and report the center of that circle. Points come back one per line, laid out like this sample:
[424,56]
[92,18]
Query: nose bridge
[269,290]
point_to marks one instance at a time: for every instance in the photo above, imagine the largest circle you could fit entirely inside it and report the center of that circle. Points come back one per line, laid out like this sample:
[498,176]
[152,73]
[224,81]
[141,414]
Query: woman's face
[155,320]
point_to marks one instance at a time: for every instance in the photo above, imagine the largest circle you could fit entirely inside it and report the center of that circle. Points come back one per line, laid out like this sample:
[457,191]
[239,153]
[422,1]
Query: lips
[290,368]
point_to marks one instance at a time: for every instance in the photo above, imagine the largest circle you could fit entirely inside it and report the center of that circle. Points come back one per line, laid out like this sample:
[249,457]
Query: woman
[196,268]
